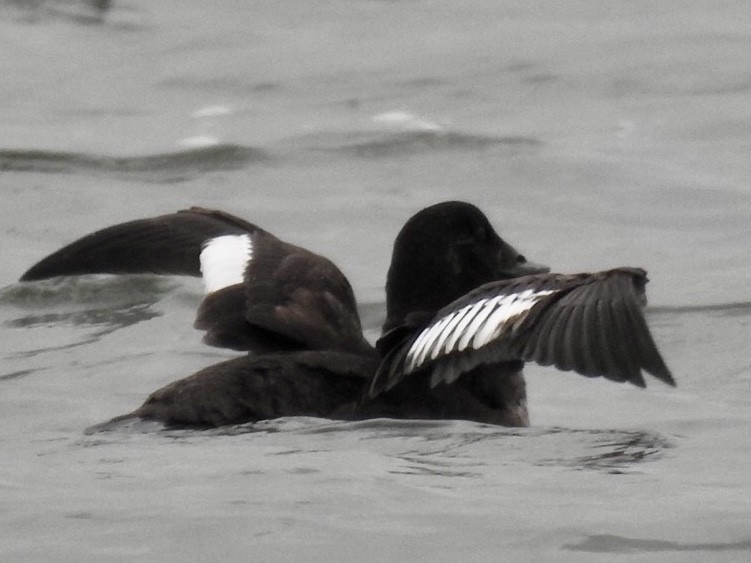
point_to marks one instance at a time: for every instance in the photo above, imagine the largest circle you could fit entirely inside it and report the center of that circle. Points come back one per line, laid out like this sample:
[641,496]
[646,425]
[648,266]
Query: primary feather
[588,323]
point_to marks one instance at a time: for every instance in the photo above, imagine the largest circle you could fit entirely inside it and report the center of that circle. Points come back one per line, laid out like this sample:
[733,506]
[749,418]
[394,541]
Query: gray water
[593,134]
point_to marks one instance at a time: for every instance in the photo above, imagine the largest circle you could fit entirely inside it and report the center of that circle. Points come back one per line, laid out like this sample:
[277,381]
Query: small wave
[107,303]
[119,427]
[610,543]
[165,167]
[724,309]
[444,448]
[17,374]
[379,144]
[104,320]
[101,289]
[113,318]
[78,12]
[613,450]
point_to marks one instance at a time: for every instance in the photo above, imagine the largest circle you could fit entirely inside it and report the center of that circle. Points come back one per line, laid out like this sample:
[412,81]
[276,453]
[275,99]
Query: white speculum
[224,260]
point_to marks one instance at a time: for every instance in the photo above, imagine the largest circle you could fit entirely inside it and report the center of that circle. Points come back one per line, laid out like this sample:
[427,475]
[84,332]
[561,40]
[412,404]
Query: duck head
[441,253]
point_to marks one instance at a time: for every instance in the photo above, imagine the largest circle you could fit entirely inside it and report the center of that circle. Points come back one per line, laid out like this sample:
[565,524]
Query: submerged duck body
[465,311]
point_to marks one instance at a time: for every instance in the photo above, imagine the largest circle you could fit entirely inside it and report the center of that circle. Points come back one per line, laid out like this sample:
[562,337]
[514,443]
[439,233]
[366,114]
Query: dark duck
[465,311]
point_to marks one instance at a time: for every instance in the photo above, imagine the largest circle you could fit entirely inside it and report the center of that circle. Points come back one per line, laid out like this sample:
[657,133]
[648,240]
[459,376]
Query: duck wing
[262,294]
[168,244]
[589,323]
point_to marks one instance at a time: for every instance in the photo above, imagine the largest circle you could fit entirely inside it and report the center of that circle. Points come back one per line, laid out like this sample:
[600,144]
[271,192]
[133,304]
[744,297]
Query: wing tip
[45,269]
[29,275]
[665,376]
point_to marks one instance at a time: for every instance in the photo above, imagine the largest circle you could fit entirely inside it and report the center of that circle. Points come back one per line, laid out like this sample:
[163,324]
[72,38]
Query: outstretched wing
[262,294]
[589,323]
[168,244]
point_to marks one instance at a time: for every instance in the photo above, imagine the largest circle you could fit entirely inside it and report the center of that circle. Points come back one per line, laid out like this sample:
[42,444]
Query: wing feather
[592,353]
[168,244]
[569,357]
[617,360]
[558,319]
[620,338]
[651,360]
[538,348]
[505,308]
[461,321]
[588,323]
[470,331]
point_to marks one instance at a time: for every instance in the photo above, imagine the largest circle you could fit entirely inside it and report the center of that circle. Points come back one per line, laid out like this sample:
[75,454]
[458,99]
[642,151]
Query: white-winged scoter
[465,310]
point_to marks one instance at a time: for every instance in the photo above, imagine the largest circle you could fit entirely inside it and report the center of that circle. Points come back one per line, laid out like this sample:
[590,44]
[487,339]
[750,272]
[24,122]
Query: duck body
[465,311]
[322,384]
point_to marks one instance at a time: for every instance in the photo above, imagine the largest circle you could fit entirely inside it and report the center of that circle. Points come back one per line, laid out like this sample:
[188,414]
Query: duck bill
[525,269]
[510,263]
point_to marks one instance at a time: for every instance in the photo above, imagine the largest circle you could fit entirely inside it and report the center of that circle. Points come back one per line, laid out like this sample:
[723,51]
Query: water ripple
[377,144]
[610,543]
[439,448]
[166,167]
[107,303]
[131,289]
[723,309]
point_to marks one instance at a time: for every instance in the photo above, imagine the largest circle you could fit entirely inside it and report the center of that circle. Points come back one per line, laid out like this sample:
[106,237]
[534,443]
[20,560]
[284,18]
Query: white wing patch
[472,326]
[224,259]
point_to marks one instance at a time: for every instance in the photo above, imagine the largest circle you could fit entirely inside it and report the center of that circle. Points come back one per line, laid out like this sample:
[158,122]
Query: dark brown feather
[301,296]
[168,244]
[591,324]
[569,356]
[257,388]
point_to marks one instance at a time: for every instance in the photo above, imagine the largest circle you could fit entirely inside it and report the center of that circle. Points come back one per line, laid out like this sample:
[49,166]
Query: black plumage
[465,311]
[251,388]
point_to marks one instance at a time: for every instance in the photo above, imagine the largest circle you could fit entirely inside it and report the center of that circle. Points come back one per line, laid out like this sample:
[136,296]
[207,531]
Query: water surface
[592,135]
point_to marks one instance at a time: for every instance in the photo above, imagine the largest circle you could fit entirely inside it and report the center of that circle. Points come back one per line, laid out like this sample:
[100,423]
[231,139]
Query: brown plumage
[465,311]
